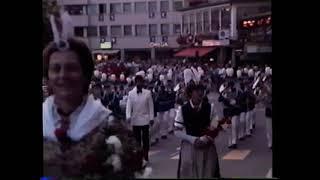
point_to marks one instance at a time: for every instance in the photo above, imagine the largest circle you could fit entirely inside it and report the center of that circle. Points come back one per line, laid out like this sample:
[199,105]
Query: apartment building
[219,21]
[146,29]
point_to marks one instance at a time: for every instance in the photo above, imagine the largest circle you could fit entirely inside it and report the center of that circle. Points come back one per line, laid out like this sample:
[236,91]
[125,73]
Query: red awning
[191,52]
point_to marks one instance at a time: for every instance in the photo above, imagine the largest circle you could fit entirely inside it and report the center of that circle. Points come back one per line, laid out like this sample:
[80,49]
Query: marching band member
[172,111]
[250,104]
[140,112]
[163,107]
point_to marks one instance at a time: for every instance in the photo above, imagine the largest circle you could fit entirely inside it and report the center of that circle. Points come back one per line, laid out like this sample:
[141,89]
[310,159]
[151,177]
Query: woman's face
[65,75]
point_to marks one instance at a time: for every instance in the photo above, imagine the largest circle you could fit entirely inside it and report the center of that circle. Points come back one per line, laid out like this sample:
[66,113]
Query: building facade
[219,21]
[147,29]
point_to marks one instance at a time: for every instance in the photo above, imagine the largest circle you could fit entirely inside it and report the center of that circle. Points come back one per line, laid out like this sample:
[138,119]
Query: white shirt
[89,115]
[140,108]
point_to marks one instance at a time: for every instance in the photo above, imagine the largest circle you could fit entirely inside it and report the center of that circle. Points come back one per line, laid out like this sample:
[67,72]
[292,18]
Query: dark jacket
[163,102]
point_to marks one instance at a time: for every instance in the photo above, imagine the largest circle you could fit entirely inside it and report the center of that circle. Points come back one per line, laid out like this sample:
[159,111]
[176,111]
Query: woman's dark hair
[138,78]
[194,87]
[84,57]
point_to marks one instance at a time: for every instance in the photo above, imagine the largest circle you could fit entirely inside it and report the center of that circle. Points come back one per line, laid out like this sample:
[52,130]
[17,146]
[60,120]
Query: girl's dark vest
[196,122]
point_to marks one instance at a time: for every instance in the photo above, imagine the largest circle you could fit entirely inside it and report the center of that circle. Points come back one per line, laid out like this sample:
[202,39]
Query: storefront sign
[162,44]
[105,45]
[258,49]
[215,42]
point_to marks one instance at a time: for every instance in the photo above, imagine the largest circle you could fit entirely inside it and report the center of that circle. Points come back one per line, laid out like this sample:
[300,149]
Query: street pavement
[252,158]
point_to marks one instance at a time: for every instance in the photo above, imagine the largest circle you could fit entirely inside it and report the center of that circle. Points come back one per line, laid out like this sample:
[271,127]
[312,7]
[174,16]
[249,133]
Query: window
[79,31]
[102,9]
[206,27]
[215,19]
[192,22]
[141,30]
[164,6]
[153,29]
[115,8]
[103,30]
[75,9]
[92,31]
[116,31]
[92,9]
[127,8]
[199,22]
[192,18]
[127,30]
[177,5]
[165,29]
[185,24]
[176,29]
[225,18]
[152,6]
[192,31]
[140,7]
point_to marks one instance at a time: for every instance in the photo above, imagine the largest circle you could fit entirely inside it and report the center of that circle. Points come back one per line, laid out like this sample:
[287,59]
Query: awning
[191,52]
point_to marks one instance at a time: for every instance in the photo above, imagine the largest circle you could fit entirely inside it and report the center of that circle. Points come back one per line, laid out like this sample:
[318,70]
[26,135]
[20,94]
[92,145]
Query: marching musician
[231,112]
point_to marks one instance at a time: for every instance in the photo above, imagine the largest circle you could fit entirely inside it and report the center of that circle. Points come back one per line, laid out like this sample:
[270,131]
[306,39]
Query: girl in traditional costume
[197,128]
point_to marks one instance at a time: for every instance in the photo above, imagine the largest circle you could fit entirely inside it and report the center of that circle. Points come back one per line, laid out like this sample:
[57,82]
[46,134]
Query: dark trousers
[142,132]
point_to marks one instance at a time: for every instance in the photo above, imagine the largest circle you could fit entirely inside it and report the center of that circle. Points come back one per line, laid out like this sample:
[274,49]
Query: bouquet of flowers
[109,152]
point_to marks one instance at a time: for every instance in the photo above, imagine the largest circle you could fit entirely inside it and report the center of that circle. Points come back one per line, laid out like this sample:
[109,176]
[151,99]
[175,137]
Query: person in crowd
[228,97]
[97,91]
[163,107]
[198,155]
[140,114]
[172,110]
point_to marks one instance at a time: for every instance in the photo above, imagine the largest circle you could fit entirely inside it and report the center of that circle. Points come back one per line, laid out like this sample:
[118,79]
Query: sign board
[258,49]
[162,44]
[105,45]
[225,42]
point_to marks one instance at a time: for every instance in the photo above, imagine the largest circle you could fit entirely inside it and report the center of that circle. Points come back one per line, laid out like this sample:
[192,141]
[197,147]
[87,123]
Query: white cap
[161,77]
[103,77]
[239,73]
[96,73]
[230,72]
[150,71]
[113,77]
[128,80]
[141,73]
[122,77]
[149,77]
[251,73]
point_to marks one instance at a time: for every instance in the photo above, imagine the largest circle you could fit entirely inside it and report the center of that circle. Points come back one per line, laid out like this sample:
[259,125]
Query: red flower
[92,164]
[212,133]
[60,133]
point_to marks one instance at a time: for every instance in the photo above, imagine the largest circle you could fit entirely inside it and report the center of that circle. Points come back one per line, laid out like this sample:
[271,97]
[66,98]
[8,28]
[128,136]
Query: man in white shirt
[140,113]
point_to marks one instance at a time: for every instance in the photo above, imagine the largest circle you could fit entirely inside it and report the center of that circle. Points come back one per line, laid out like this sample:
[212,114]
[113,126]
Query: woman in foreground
[81,138]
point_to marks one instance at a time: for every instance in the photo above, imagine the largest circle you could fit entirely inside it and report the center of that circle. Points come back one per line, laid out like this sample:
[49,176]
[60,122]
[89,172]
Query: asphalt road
[252,158]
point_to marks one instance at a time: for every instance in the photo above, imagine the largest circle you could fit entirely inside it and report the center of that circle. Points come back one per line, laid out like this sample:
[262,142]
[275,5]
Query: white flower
[114,140]
[146,173]
[115,161]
